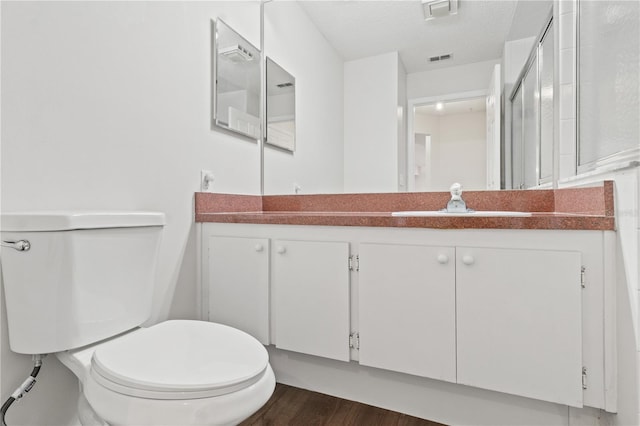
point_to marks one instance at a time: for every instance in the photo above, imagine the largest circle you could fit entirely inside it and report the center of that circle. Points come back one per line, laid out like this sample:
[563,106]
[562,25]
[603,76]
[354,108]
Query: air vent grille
[440,57]
[433,9]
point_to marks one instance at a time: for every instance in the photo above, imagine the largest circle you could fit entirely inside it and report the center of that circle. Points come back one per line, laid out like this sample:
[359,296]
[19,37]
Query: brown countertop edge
[376,219]
[589,208]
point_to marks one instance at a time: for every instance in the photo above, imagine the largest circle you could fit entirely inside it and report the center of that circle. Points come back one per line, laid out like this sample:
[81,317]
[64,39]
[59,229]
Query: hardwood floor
[299,407]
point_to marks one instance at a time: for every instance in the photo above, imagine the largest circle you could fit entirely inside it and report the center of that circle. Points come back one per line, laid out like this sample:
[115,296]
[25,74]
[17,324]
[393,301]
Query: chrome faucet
[456,204]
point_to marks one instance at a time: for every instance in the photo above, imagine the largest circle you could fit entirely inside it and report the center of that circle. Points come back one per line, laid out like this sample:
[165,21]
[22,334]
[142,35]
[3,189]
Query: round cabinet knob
[259,247]
[468,260]
[281,250]
[443,259]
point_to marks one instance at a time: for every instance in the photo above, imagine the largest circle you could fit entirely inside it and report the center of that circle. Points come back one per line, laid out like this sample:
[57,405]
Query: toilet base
[86,414]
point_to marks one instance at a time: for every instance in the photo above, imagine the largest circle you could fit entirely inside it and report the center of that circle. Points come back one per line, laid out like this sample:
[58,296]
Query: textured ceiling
[358,29]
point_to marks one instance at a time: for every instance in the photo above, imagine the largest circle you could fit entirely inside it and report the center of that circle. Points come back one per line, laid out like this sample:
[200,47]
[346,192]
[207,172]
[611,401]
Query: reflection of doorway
[422,157]
[450,145]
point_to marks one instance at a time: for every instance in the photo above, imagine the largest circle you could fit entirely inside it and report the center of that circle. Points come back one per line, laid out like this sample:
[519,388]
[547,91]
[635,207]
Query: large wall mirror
[281,107]
[358,66]
[236,82]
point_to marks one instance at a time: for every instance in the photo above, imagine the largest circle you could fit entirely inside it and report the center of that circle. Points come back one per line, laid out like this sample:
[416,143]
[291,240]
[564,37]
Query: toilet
[79,284]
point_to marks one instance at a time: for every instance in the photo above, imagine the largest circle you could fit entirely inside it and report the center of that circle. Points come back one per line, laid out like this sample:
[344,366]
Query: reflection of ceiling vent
[283,85]
[438,8]
[236,53]
[440,58]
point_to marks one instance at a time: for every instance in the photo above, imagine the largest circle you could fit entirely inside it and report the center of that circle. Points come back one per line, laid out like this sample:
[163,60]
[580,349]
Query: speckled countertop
[589,208]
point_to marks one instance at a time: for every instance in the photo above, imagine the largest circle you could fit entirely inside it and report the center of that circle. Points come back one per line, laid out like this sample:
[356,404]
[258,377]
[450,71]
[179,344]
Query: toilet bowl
[174,373]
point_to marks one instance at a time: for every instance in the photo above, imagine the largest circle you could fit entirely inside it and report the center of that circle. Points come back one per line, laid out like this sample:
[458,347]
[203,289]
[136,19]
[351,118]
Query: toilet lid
[180,359]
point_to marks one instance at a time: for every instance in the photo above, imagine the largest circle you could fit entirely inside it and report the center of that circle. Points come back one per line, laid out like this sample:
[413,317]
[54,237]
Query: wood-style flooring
[299,407]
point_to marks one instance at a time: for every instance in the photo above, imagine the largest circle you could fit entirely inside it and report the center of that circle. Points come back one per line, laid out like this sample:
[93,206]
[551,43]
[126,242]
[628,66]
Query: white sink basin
[438,213]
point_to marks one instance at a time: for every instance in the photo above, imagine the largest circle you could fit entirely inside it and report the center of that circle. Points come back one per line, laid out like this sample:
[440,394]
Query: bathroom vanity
[519,305]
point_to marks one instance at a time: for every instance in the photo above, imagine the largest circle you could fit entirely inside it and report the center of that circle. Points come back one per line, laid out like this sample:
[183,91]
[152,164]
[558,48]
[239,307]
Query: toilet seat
[180,360]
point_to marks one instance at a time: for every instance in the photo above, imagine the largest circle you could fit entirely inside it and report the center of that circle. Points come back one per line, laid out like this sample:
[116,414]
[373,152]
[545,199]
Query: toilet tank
[86,276]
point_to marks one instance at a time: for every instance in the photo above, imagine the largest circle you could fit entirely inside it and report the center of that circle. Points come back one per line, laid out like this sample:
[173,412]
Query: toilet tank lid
[78,219]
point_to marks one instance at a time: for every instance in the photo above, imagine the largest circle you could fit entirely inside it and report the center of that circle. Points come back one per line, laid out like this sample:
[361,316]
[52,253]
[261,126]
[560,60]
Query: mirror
[443,131]
[236,82]
[359,66]
[281,107]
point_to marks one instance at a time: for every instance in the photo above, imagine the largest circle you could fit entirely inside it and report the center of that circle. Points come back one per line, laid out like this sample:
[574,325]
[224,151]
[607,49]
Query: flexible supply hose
[26,386]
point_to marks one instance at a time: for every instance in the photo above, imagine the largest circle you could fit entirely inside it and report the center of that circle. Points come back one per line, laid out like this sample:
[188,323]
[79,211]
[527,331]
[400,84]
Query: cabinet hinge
[354,263]
[582,274]
[354,341]
[584,377]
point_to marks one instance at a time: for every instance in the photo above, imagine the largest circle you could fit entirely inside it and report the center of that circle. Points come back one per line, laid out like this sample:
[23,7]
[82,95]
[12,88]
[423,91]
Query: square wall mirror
[236,82]
[281,107]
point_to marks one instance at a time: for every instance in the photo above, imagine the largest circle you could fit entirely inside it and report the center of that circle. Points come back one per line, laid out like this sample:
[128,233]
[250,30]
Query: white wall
[107,105]
[371,98]
[293,42]
[446,81]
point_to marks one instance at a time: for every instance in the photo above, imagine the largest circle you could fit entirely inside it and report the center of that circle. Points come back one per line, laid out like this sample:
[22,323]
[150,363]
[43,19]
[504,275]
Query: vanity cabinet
[519,322]
[407,305]
[505,320]
[515,311]
[238,277]
[310,286]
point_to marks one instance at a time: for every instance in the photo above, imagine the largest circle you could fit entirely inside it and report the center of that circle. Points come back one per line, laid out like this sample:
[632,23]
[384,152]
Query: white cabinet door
[519,322]
[311,295]
[407,309]
[239,284]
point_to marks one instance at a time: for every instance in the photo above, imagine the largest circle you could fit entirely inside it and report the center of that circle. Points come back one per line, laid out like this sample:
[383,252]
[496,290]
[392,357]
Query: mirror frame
[256,134]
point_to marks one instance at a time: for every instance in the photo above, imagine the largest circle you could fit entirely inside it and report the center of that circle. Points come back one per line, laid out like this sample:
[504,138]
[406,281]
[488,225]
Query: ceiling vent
[236,53]
[433,9]
[441,57]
